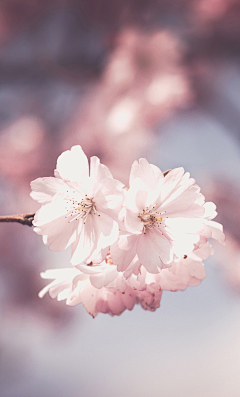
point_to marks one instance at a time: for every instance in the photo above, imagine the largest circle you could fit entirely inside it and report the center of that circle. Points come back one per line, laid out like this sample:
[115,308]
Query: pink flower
[76,287]
[101,288]
[188,271]
[163,219]
[78,209]
[165,226]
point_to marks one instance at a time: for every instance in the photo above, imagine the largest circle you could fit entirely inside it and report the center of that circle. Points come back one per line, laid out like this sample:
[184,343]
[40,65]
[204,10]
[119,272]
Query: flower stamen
[80,208]
[150,218]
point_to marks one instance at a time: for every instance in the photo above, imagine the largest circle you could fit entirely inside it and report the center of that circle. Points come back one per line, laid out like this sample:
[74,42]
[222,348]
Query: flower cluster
[128,243]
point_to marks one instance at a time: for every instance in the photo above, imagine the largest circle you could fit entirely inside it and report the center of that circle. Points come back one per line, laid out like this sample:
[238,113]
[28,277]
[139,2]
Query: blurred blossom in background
[126,79]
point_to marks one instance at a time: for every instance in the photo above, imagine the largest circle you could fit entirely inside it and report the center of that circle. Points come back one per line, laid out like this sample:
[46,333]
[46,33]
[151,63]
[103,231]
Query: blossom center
[150,218]
[79,208]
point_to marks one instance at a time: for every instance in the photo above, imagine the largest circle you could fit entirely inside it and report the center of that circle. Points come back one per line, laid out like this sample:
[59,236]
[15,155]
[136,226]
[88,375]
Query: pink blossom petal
[57,232]
[115,303]
[158,173]
[202,253]
[109,195]
[98,171]
[184,204]
[104,278]
[62,281]
[49,212]
[217,231]
[150,300]
[171,180]
[98,257]
[133,268]
[43,189]
[133,222]
[136,196]
[148,254]
[84,244]
[106,230]
[129,298]
[144,171]
[123,251]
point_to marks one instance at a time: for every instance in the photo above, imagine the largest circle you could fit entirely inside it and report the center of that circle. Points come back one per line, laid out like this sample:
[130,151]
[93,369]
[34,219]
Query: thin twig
[24,219]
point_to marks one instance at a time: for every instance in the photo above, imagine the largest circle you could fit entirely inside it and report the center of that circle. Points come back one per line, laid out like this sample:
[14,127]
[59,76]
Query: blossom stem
[24,219]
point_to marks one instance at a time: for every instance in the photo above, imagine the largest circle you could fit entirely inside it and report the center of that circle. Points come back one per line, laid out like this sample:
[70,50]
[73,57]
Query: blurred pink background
[125,79]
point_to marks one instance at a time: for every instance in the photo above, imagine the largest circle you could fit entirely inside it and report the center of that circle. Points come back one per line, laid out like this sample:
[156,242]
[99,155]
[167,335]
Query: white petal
[145,172]
[104,278]
[148,254]
[84,244]
[51,223]
[171,180]
[72,165]
[201,253]
[98,170]
[98,257]
[210,210]
[157,172]
[162,245]
[186,245]
[49,212]
[185,203]
[109,195]
[136,196]
[186,272]
[183,225]
[105,229]
[217,231]
[43,189]
[123,251]
[133,223]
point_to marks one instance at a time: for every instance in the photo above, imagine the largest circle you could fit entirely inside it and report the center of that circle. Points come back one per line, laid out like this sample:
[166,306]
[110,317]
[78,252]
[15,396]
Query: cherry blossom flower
[188,271]
[78,209]
[101,288]
[128,245]
[163,219]
[76,287]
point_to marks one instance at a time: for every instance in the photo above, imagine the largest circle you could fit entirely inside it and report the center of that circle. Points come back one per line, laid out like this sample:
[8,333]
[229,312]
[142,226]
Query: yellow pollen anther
[79,208]
[159,219]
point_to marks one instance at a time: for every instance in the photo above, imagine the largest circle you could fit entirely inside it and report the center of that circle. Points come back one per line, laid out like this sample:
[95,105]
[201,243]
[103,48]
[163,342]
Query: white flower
[164,226]
[163,219]
[101,288]
[76,287]
[78,209]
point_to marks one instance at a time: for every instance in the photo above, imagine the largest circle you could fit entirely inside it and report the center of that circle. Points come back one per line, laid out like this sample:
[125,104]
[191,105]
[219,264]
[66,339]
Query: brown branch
[24,219]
